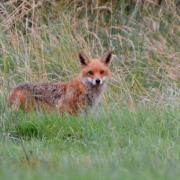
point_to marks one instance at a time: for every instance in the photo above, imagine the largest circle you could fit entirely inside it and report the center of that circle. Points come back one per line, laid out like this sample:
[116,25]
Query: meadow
[135,132]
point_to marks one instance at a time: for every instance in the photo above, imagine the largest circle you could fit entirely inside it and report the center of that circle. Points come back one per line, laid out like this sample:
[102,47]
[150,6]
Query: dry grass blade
[19,12]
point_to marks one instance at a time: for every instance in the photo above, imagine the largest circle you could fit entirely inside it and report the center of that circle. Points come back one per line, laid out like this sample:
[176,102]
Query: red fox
[77,95]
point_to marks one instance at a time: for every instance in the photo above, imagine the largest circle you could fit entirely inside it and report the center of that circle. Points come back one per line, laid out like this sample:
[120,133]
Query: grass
[135,133]
[109,145]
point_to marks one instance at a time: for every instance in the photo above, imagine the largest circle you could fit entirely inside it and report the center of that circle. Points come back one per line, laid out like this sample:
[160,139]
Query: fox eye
[90,73]
[102,72]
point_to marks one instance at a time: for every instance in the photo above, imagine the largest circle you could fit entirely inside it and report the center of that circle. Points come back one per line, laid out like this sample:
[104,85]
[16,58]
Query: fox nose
[98,81]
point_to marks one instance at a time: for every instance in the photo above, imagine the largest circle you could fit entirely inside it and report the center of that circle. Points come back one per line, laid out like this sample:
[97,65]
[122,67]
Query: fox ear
[84,59]
[106,59]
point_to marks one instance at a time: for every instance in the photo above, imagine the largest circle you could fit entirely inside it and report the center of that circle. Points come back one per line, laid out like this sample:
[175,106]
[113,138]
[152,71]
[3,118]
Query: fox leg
[19,99]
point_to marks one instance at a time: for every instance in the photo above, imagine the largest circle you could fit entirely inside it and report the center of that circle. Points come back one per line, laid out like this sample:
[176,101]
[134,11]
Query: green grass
[110,144]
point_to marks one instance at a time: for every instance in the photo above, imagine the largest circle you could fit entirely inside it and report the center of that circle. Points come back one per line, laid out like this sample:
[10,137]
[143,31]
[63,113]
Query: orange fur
[79,94]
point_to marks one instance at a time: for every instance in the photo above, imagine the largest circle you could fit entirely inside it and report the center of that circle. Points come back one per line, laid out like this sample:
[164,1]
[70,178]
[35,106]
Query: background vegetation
[135,132]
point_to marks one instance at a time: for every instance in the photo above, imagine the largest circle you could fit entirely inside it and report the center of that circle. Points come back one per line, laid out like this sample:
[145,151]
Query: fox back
[78,95]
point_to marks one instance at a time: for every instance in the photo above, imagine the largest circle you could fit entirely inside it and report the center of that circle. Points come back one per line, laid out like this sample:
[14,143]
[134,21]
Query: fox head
[95,72]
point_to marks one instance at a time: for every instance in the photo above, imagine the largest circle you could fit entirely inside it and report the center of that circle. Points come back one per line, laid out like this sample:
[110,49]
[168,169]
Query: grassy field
[111,144]
[135,133]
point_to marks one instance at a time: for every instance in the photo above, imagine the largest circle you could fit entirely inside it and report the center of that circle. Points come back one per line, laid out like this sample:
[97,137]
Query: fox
[80,94]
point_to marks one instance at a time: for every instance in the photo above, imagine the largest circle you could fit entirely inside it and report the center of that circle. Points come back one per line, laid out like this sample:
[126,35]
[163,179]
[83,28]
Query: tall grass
[43,44]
